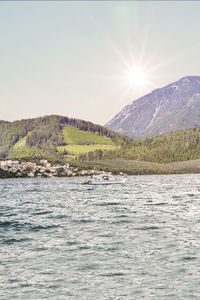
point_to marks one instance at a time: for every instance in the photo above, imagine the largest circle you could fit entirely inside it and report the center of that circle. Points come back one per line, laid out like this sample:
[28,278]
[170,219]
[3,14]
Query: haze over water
[62,240]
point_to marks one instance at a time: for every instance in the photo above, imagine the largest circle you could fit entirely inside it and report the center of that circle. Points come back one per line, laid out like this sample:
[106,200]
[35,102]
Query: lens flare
[136,76]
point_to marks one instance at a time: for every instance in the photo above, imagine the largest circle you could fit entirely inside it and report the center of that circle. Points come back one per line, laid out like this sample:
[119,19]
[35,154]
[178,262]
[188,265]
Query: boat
[106,179]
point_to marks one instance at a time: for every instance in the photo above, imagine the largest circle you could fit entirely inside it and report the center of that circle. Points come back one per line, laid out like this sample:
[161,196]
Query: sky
[88,59]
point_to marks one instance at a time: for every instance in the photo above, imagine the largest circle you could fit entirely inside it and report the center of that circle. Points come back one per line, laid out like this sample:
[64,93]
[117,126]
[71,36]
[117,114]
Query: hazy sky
[75,58]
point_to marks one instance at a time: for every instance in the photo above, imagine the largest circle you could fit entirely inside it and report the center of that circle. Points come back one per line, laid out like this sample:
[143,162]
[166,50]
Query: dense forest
[176,146]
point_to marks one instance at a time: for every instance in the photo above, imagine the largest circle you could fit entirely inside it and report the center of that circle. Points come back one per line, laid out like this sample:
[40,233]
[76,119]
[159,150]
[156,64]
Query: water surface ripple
[63,240]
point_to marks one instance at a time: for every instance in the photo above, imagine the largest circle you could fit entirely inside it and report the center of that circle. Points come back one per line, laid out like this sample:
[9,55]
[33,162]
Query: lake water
[63,240]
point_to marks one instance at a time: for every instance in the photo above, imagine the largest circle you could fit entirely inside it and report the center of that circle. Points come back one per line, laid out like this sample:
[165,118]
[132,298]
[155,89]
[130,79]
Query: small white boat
[106,178]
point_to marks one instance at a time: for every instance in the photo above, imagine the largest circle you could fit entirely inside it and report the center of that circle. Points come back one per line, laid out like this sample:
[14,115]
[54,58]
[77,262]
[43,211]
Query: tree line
[176,146]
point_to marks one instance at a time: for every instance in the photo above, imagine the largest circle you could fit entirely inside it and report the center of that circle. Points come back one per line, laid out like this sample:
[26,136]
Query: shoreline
[84,169]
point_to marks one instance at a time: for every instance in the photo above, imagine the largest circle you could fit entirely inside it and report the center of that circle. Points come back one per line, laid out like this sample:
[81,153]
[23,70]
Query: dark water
[63,240]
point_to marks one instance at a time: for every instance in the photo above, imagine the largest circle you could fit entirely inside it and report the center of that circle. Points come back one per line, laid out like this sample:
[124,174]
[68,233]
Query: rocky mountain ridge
[173,107]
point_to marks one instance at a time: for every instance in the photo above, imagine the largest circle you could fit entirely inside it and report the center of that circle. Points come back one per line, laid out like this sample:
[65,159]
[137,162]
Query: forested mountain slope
[42,136]
[173,147]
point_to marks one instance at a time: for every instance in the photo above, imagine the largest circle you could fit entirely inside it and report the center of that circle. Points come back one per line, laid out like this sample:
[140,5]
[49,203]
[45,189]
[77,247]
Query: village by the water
[42,169]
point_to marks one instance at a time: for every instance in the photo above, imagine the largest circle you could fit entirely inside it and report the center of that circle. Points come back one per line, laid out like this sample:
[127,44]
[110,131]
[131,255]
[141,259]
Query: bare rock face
[173,107]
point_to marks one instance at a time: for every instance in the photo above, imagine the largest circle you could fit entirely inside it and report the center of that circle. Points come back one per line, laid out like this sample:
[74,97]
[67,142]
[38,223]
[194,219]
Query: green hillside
[53,137]
[58,138]
[78,141]
[73,135]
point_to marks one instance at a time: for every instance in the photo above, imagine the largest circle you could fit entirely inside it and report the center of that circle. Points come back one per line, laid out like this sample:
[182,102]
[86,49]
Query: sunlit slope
[79,141]
[21,143]
[73,135]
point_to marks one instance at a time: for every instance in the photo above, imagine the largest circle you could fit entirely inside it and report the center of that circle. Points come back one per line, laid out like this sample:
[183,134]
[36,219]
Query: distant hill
[173,107]
[54,137]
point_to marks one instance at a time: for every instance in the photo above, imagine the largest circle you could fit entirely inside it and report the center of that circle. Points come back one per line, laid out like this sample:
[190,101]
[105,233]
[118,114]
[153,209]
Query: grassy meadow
[77,149]
[79,141]
[74,136]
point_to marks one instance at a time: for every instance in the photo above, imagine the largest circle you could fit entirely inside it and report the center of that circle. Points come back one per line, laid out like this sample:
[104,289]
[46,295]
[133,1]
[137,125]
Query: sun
[137,77]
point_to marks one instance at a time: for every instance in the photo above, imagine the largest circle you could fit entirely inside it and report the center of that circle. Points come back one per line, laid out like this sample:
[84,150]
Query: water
[63,240]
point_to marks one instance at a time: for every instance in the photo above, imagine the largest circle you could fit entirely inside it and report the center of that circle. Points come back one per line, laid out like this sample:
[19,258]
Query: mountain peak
[173,107]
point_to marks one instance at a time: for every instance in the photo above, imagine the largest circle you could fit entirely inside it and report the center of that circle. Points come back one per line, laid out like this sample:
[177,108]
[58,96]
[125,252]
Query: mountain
[53,137]
[173,107]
